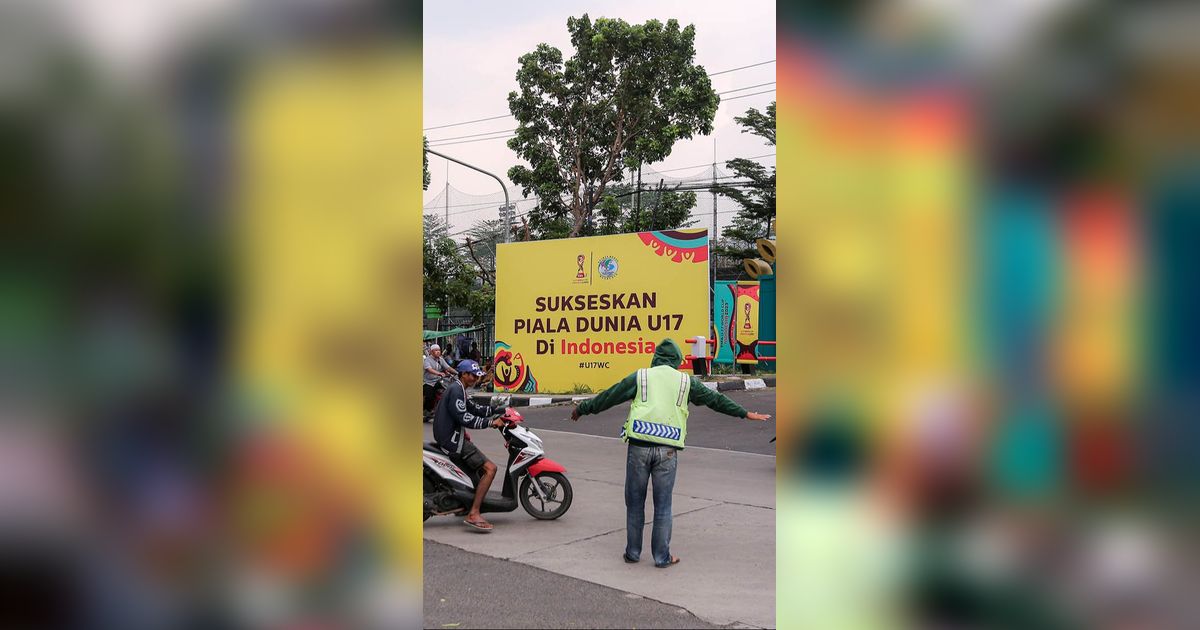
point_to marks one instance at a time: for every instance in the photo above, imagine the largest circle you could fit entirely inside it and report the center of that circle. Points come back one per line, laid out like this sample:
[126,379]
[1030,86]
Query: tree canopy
[424,162]
[450,278]
[757,200]
[625,97]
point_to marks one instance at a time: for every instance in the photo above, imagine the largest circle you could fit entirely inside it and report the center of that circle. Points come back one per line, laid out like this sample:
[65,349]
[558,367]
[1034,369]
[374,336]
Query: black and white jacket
[455,412]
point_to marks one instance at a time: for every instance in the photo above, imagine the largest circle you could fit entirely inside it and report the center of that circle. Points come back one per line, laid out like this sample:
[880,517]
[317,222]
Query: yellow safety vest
[660,408]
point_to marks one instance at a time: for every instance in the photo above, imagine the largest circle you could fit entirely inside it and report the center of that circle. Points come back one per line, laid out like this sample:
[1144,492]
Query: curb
[531,401]
[520,400]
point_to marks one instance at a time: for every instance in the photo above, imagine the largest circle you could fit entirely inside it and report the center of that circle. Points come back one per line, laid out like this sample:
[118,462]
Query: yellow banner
[745,322]
[574,315]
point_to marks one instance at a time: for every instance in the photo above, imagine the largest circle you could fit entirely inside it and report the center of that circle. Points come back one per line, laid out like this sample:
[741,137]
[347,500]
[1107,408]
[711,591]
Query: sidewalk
[728,383]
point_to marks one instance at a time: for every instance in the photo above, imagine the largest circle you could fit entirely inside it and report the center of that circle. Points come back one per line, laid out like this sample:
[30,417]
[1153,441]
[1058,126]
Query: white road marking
[699,448]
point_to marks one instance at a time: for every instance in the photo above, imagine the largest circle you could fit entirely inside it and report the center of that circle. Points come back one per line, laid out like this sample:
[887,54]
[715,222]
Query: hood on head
[667,353]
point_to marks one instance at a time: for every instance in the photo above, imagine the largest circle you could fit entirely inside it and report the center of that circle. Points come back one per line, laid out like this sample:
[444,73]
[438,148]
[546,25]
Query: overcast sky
[470,61]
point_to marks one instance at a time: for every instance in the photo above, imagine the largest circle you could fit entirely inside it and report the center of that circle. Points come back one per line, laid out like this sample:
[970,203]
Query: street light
[503,188]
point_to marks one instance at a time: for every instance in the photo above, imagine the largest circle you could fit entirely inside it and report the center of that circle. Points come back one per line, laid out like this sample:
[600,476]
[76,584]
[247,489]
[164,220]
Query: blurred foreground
[202,276]
[993,211]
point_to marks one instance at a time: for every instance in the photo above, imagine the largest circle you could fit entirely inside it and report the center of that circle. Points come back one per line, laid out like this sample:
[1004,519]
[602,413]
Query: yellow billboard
[582,313]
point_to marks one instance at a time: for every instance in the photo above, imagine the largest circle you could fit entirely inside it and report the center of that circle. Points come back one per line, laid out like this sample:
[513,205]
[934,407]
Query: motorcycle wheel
[558,492]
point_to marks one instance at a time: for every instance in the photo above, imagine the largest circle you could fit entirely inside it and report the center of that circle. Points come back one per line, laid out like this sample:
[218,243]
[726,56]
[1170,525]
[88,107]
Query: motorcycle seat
[434,448]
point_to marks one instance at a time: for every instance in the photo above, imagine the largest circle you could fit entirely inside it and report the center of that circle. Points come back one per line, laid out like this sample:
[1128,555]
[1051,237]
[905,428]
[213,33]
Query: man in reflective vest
[655,430]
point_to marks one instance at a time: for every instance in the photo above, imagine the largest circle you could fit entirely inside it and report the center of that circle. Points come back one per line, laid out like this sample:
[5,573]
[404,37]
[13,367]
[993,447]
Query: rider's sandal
[482,526]
[674,561]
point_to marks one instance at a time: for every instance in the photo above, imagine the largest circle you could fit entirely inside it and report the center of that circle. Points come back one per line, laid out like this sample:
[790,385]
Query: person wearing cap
[455,413]
[655,431]
[435,367]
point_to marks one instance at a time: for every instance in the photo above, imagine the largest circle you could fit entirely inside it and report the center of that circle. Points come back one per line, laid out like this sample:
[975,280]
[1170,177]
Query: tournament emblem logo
[607,267]
[581,275]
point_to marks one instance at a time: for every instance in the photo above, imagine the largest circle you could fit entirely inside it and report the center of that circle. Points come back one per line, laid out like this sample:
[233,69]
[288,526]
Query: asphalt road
[567,572]
[706,428]
[471,590]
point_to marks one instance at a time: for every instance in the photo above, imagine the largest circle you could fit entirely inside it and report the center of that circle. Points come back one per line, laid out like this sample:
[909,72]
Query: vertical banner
[723,294]
[576,315]
[766,319]
[745,321]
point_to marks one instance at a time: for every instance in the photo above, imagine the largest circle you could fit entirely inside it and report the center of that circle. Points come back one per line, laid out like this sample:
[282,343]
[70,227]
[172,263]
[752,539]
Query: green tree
[484,235]
[666,210]
[757,200]
[424,162]
[451,279]
[626,96]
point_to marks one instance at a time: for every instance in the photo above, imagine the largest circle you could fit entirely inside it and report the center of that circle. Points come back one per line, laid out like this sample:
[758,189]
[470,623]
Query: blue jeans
[641,465]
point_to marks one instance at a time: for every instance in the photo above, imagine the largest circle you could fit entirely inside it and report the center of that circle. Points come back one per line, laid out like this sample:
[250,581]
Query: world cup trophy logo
[579,261]
[746,325]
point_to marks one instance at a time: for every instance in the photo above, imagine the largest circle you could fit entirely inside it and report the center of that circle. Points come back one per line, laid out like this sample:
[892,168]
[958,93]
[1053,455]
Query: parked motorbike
[530,478]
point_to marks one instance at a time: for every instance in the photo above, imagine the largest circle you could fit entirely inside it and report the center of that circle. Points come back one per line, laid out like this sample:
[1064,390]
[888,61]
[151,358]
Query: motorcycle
[530,478]
[439,388]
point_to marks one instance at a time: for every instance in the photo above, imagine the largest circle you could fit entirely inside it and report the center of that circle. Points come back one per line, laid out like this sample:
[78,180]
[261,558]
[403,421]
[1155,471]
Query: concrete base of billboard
[535,400]
[724,529]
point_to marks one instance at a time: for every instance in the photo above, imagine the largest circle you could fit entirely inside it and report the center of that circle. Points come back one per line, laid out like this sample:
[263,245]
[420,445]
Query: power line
[476,135]
[484,205]
[761,63]
[446,144]
[468,122]
[669,170]
[433,203]
[512,135]
[748,87]
[734,98]
[478,206]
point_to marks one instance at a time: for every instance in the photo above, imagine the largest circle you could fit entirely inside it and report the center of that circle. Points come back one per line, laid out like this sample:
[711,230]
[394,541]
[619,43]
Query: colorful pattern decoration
[653,428]
[724,296]
[678,245]
[511,373]
[744,323]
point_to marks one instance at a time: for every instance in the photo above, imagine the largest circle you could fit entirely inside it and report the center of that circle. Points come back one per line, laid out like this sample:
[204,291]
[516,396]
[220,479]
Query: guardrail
[713,343]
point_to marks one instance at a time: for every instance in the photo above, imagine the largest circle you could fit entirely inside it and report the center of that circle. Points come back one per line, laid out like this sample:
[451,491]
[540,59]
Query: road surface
[569,572]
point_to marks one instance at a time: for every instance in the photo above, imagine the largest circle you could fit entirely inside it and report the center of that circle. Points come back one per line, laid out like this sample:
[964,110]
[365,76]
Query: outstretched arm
[711,398]
[624,390]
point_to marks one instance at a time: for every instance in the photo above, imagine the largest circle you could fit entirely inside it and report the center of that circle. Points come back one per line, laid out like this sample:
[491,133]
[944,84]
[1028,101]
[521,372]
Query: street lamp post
[508,208]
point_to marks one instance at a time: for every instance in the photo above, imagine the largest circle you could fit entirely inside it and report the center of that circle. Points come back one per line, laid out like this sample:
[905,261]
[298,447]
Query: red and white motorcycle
[538,482]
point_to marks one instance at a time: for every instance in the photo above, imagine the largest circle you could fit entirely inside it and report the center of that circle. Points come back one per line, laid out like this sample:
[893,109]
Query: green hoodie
[667,353]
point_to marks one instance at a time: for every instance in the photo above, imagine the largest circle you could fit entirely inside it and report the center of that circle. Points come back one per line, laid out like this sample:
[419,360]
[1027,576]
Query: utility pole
[657,201]
[447,195]
[507,206]
[637,206]
[587,221]
[712,238]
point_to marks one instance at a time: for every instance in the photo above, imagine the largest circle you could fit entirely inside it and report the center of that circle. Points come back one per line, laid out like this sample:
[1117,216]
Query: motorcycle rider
[655,430]
[454,412]
[435,367]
